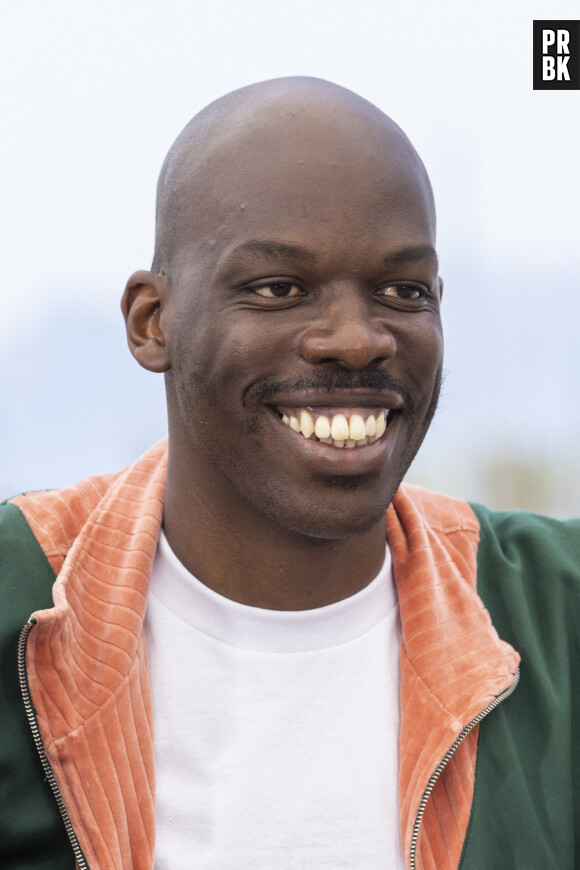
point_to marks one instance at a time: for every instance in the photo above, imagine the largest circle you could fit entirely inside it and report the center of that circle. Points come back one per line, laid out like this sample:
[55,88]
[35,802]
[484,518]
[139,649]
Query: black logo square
[556,55]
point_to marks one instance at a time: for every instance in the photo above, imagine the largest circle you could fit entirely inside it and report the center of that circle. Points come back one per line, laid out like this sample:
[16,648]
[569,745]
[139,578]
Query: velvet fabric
[88,672]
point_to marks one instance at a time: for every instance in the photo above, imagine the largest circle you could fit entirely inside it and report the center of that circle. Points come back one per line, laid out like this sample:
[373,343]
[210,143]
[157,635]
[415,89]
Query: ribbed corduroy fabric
[88,674]
[87,661]
[453,665]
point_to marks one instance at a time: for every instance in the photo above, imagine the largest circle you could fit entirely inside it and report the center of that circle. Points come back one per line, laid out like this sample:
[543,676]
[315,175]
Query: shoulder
[38,529]
[36,532]
[26,576]
[516,541]
[56,516]
[443,513]
[518,534]
[19,548]
[524,560]
[514,536]
[528,575]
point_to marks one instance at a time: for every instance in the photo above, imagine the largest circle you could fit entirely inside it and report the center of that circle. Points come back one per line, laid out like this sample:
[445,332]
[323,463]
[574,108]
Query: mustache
[334,381]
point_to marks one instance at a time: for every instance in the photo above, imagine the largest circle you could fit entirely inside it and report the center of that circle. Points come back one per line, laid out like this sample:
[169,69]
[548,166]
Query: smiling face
[303,329]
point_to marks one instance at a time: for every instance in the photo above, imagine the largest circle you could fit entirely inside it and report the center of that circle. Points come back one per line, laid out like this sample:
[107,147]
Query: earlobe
[144,305]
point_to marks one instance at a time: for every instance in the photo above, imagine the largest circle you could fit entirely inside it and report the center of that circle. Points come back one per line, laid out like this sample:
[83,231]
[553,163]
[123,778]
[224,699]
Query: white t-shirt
[276,733]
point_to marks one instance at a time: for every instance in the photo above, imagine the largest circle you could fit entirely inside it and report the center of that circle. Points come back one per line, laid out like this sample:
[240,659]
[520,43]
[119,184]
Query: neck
[243,555]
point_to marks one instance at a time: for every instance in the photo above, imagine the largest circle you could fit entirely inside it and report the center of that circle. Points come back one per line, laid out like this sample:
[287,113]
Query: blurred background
[92,96]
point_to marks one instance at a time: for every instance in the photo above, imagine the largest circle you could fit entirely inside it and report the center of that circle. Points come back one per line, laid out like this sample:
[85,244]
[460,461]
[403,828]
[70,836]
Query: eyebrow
[261,247]
[272,248]
[412,254]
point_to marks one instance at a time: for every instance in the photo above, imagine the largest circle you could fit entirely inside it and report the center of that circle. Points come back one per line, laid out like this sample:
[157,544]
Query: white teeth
[381,424]
[340,431]
[322,428]
[356,429]
[306,424]
[371,425]
[339,427]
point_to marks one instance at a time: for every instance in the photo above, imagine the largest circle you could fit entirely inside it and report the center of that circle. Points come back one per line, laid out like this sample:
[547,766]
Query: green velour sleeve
[526,804]
[32,833]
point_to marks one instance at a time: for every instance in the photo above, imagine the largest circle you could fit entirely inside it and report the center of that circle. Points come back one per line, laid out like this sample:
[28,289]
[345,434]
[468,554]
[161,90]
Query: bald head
[298,124]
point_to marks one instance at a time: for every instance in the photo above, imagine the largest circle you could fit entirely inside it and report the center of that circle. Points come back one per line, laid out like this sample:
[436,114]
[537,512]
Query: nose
[349,334]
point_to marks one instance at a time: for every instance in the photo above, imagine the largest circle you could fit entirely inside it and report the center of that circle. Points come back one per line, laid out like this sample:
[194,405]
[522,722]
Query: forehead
[305,170]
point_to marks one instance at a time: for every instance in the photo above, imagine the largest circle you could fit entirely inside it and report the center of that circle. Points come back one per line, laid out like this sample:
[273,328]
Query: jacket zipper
[447,758]
[80,858]
[33,722]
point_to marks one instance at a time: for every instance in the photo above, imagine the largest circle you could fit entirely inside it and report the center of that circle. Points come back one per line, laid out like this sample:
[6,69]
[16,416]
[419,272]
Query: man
[218,671]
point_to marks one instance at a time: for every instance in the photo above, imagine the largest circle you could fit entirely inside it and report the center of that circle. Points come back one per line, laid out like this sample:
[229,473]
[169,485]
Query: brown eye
[278,290]
[402,291]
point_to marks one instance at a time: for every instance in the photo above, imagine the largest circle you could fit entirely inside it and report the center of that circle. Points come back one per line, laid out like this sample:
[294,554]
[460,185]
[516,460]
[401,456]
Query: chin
[336,516]
[328,529]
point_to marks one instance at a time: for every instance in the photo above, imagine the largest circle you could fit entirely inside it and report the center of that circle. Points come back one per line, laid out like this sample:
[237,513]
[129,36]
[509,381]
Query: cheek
[247,344]
[433,351]
[219,361]
[421,355]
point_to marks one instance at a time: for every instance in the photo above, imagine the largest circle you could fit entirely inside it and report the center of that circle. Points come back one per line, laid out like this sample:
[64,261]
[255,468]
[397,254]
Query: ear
[144,306]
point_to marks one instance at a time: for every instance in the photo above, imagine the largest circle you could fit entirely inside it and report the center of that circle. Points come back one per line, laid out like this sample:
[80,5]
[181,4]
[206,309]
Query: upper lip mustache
[341,399]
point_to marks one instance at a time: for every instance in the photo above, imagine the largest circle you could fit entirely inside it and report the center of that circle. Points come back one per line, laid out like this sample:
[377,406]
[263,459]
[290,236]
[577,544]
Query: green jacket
[507,797]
